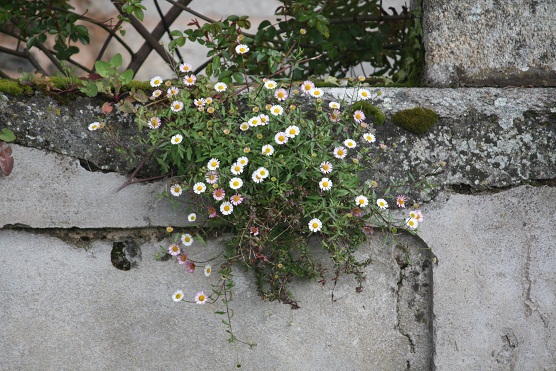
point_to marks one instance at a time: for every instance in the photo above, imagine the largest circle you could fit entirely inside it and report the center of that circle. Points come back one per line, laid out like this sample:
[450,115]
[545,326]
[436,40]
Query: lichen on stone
[415,120]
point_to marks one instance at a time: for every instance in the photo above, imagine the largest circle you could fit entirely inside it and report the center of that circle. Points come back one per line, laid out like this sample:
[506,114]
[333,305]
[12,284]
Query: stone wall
[490,43]
[80,288]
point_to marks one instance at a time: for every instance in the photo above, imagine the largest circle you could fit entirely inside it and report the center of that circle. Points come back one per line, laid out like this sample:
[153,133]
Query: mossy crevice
[416,120]
[372,112]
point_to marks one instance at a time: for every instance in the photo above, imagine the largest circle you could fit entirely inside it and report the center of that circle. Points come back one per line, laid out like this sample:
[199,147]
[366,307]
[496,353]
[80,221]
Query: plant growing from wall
[278,166]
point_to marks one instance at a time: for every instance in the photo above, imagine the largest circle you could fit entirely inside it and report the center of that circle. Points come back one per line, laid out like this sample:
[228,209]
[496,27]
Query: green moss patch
[372,113]
[14,88]
[416,120]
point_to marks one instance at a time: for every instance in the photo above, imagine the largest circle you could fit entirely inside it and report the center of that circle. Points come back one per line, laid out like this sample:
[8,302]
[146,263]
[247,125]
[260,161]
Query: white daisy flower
[186,239]
[226,208]
[292,131]
[315,225]
[281,137]
[176,139]
[186,67]
[369,137]
[236,183]
[176,190]
[190,80]
[200,298]
[307,87]
[242,49]
[325,184]
[154,122]
[276,110]
[270,84]
[364,94]
[208,270]
[361,201]
[199,102]
[244,126]
[382,204]
[263,172]
[157,93]
[178,296]
[94,126]
[334,105]
[176,106]
[340,152]
[316,92]
[220,87]
[411,223]
[350,143]
[256,177]
[281,94]
[172,91]
[254,121]
[199,188]
[156,81]
[192,217]
[268,150]
[264,119]
[236,168]
[243,161]
[326,167]
[213,164]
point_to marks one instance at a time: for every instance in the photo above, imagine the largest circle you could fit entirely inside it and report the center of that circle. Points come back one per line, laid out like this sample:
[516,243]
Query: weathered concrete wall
[490,43]
[489,242]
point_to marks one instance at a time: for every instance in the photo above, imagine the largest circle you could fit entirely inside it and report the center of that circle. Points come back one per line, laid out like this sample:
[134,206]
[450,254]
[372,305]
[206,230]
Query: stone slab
[489,43]
[495,282]
[49,190]
[64,307]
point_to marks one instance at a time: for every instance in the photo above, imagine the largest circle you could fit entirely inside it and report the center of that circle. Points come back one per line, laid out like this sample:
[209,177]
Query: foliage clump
[416,120]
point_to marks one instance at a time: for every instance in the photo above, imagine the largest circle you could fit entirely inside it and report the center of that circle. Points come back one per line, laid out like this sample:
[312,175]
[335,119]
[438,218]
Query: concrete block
[495,283]
[63,307]
[489,43]
[48,190]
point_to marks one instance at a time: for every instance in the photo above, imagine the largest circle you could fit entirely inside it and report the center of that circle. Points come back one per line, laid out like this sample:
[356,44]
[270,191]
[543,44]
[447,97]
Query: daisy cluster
[275,162]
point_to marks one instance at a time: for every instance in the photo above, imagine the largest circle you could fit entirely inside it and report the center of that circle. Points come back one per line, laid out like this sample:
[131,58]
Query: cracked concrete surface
[494,287]
[488,307]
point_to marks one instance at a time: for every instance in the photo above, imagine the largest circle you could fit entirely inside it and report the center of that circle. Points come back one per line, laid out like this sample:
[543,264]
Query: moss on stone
[13,87]
[143,85]
[415,120]
[373,113]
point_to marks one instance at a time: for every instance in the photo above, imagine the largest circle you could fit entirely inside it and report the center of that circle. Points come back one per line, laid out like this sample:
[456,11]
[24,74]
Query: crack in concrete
[399,325]
[530,305]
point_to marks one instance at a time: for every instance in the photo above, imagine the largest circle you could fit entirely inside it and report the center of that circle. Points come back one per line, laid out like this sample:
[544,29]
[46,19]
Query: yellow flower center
[315,225]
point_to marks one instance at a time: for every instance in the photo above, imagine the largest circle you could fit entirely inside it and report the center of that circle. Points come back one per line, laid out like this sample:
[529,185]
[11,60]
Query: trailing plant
[278,166]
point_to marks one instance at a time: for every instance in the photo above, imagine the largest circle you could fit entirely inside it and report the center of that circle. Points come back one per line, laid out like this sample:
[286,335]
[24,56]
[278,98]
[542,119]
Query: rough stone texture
[489,43]
[494,286]
[487,138]
[63,307]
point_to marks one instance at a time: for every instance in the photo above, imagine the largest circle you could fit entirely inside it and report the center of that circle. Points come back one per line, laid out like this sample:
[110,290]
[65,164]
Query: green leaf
[7,135]
[89,88]
[215,64]
[116,60]
[127,76]
[176,33]
[103,68]
[139,14]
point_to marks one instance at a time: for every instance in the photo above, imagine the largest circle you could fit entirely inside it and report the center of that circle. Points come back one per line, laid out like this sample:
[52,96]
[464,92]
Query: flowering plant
[278,165]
